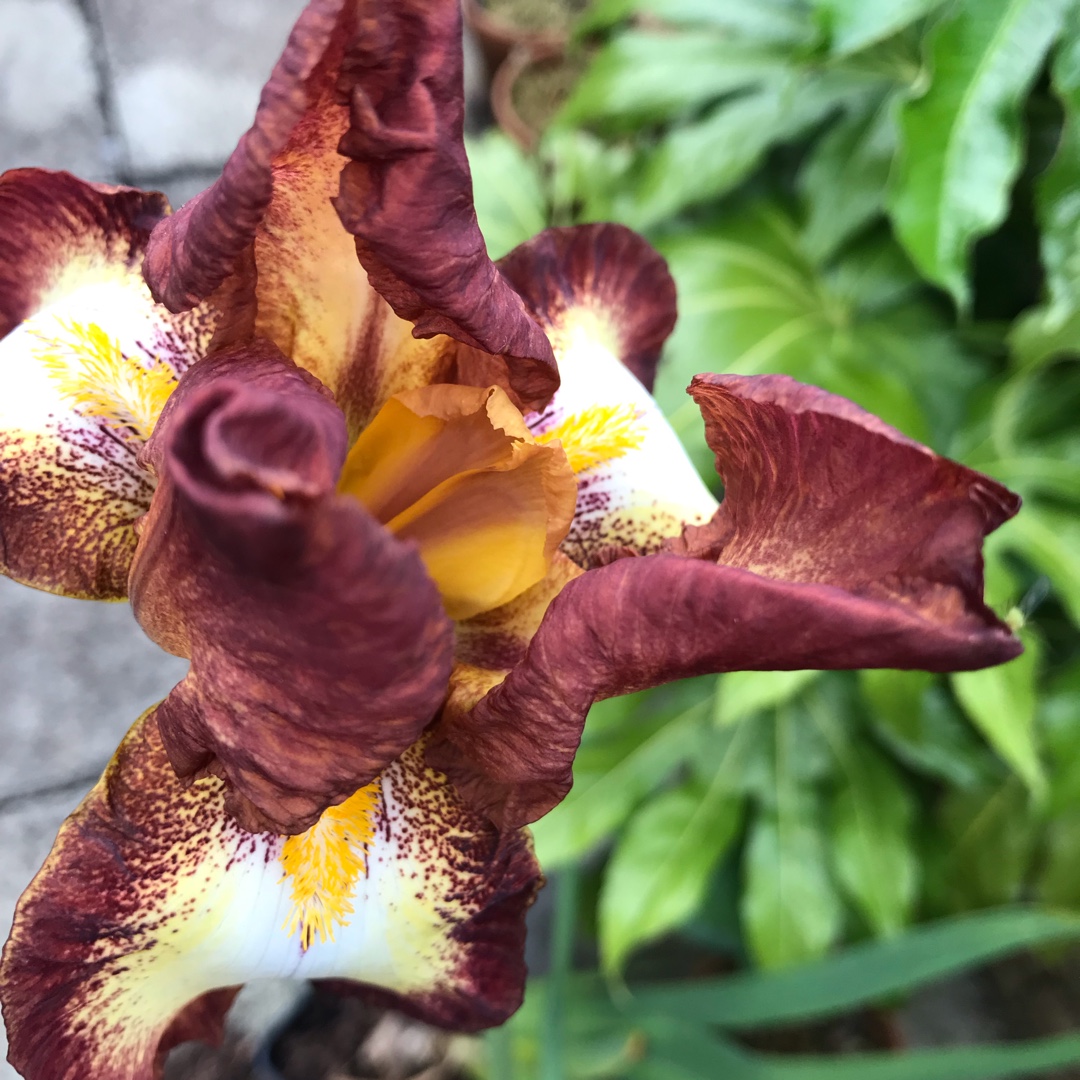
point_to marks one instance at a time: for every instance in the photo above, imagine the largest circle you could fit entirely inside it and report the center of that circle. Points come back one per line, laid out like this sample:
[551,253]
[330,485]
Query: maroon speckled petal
[71,295]
[153,904]
[841,544]
[607,271]
[319,647]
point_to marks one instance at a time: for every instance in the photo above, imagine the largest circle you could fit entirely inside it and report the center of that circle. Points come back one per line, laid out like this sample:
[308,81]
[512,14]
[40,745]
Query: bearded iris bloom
[408,513]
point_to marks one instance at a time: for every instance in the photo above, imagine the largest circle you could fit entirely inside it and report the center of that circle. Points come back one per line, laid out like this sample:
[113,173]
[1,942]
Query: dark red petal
[407,193]
[841,544]
[196,249]
[54,224]
[319,646]
[608,271]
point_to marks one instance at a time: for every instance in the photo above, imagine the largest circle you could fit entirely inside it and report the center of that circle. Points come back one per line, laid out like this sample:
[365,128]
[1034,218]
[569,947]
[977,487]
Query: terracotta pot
[499,36]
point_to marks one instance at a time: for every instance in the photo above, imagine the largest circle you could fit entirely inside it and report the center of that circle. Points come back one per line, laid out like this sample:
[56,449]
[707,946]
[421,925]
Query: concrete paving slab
[49,102]
[187,76]
[74,676]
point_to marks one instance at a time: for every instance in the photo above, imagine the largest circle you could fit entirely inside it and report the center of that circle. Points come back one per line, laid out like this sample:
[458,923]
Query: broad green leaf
[507,192]
[1059,717]
[611,776]
[1055,326]
[981,848]
[872,844]
[1051,541]
[912,713]
[861,974]
[961,144]
[855,24]
[705,159]
[1001,703]
[843,180]
[790,909]
[662,864]
[1059,879]
[641,77]
[743,693]
[765,20]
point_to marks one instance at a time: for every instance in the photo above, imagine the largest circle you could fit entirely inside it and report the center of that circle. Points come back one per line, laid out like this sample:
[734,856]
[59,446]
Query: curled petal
[153,899]
[319,648]
[345,63]
[607,302]
[87,361]
[849,546]
[454,470]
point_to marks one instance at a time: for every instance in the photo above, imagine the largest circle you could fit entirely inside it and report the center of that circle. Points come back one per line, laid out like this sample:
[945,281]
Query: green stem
[563,934]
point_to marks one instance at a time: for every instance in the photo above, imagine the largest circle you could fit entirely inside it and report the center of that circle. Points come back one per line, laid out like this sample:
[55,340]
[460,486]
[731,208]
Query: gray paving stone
[187,75]
[74,676]
[49,114]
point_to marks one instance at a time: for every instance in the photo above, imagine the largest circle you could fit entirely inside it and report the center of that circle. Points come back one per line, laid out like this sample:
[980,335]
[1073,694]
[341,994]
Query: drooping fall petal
[319,647]
[607,302]
[87,361]
[153,898]
[376,89]
[840,544]
[454,470]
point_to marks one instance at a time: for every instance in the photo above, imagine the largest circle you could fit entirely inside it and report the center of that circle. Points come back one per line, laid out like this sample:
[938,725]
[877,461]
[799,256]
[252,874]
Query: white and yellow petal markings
[322,866]
[97,378]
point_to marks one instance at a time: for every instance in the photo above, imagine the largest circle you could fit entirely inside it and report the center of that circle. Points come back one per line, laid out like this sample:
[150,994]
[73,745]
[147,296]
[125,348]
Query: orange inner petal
[454,469]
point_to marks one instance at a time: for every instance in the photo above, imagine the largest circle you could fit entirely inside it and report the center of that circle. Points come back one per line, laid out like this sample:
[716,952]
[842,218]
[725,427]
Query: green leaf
[843,180]
[981,848]
[961,143]
[507,192]
[1055,326]
[641,77]
[855,24]
[872,846]
[1051,542]
[662,864]
[861,974]
[742,693]
[766,20]
[790,910]
[611,776]
[1001,703]
[912,713]
[1059,880]
[702,160]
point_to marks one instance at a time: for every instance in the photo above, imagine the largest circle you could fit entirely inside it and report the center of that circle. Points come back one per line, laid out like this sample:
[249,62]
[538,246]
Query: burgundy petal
[608,271]
[407,193]
[319,647]
[841,544]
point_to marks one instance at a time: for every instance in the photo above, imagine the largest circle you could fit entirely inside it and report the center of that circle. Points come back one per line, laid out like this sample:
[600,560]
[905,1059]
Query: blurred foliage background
[881,197]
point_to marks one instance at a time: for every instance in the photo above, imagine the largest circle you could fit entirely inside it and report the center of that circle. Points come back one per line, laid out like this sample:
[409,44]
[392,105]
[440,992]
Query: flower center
[324,864]
[94,374]
[597,435]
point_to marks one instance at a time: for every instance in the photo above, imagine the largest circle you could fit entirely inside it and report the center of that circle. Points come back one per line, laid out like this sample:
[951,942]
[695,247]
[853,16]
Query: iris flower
[320,441]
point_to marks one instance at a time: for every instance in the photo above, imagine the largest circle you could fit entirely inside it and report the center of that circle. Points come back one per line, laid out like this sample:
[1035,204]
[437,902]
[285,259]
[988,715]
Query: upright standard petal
[607,302]
[153,900]
[319,647]
[87,361]
[375,88]
[840,544]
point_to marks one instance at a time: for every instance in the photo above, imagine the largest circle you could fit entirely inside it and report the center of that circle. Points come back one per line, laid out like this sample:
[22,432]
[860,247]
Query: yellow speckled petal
[87,361]
[607,302]
[152,898]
